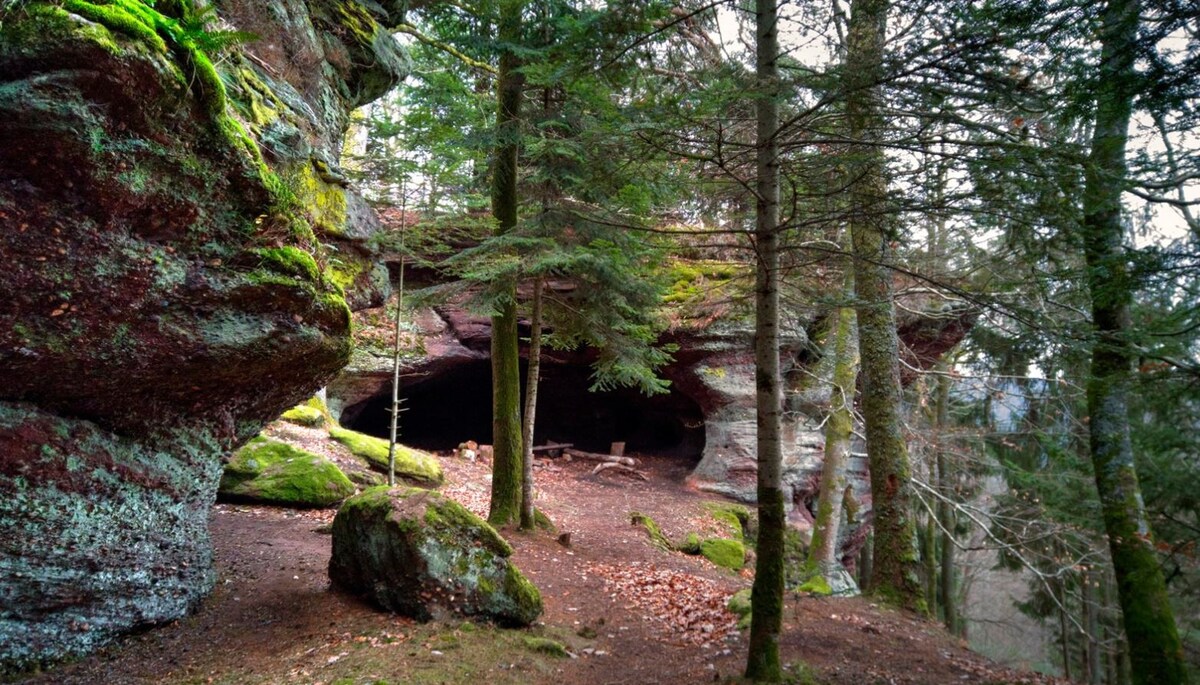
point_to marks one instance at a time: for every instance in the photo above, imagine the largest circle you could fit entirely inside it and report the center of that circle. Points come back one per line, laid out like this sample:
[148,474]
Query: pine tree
[896,566]
[766,600]
[1154,647]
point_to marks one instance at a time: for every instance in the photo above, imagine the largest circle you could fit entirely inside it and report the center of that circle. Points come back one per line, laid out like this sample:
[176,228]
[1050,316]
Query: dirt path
[628,612]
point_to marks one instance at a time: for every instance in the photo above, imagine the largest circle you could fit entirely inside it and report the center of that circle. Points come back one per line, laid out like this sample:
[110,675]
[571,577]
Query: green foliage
[696,280]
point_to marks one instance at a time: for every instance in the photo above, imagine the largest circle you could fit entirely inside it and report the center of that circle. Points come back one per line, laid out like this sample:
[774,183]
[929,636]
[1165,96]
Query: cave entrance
[453,406]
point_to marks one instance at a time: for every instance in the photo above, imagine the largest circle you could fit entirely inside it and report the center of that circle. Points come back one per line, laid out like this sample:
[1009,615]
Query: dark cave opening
[454,406]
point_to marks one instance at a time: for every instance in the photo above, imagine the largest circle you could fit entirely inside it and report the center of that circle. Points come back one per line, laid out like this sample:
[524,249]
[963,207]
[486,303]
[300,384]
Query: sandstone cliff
[179,248]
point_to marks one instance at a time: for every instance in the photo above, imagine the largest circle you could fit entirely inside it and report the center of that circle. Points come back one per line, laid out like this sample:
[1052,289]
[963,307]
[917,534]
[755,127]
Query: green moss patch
[816,585]
[692,281]
[651,526]
[690,544]
[546,646]
[725,553]
[304,415]
[735,518]
[291,261]
[276,473]
[739,605]
[413,465]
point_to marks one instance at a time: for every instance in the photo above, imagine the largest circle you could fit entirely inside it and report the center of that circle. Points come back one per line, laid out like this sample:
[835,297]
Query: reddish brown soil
[630,613]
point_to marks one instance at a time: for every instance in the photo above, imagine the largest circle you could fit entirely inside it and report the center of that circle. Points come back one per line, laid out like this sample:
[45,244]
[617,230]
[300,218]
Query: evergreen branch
[421,36]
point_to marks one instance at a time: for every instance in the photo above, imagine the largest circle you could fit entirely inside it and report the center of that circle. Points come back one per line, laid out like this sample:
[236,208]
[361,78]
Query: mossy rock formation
[420,554]
[180,249]
[415,466]
[273,472]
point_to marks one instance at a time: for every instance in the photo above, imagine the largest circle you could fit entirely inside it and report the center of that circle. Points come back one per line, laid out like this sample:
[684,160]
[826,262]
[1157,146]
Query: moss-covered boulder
[723,552]
[273,472]
[304,415]
[420,554]
[415,466]
[179,251]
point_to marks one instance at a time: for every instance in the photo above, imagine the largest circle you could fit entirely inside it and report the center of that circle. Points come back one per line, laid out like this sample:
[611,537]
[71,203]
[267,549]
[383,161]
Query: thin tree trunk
[838,432]
[866,561]
[930,559]
[1155,651]
[506,369]
[896,567]
[1064,632]
[947,593]
[528,521]
[394,432]
[1091,622]
[766,602]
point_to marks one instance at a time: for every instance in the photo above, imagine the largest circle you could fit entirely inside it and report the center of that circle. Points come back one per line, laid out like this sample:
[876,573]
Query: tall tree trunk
[528,521]
[838,432]
[506,360]
[1154,648]
[948,590]
[766,601]
[896,567]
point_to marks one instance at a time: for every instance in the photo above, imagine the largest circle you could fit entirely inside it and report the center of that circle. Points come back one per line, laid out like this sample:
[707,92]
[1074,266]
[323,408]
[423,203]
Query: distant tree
[839,432]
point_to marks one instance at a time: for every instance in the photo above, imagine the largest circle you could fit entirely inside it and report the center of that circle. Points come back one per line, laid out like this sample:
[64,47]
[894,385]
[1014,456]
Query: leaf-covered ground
[626,611]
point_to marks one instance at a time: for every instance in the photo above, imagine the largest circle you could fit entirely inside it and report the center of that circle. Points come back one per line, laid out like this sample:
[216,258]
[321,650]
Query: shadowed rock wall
[713,370]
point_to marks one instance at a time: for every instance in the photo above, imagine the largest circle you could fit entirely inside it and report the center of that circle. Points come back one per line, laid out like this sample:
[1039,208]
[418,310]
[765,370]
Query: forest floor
[628,613]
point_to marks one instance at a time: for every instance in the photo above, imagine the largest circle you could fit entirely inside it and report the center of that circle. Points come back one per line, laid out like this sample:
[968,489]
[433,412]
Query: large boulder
[418,553]
[179,249]
[274,472]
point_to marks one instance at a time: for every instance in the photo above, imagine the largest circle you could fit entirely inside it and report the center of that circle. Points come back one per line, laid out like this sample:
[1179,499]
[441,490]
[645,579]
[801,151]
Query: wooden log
[619,468]
[607,458]
[553,449]
[617,449]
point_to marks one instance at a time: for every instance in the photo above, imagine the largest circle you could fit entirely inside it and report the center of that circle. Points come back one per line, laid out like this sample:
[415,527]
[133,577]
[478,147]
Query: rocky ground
[626,611]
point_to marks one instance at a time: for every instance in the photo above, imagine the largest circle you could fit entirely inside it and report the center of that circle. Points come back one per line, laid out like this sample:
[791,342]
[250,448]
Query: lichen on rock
[420,554]
[100,532]
[168,280]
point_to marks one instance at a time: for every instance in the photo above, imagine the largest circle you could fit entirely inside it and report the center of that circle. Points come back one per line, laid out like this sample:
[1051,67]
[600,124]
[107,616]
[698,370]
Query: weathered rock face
[420,554]
[713,369]
[178,250]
